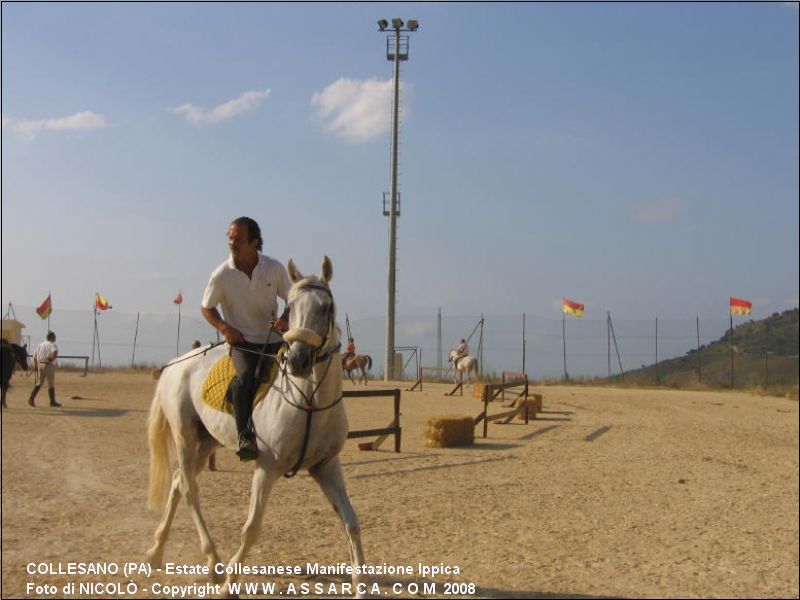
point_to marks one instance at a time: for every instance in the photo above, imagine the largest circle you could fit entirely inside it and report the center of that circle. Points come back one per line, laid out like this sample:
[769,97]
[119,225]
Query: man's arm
[230,333]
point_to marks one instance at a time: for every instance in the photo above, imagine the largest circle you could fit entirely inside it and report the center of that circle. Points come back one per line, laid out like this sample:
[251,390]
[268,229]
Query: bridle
[318,342]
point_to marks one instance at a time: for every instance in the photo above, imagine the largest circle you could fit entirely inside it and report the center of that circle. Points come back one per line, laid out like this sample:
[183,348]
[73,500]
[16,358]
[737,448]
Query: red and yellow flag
[101,302]
[178,299]
[45,308]
[740,307]
[572,308]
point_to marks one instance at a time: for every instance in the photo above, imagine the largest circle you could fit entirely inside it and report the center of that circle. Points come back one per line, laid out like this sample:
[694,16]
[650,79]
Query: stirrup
[248,449]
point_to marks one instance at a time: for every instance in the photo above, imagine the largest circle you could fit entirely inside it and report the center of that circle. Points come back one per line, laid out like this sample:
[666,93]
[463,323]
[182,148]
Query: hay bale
[449,431]
[534,403]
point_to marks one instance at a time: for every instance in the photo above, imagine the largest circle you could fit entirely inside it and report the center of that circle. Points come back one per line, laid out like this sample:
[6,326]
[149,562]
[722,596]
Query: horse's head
[312,335]
[19,353]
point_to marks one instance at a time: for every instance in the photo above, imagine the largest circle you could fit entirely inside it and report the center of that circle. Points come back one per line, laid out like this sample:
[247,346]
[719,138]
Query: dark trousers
[246,357]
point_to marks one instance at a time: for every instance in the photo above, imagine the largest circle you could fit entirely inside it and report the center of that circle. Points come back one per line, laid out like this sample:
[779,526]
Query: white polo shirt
[43,352]
[249,304]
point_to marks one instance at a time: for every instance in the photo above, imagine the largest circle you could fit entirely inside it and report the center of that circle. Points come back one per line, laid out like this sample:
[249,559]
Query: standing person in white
[248,286]
[44,360]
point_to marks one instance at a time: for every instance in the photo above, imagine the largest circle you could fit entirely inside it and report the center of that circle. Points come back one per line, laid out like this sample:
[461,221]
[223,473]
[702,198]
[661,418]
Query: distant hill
[777,335]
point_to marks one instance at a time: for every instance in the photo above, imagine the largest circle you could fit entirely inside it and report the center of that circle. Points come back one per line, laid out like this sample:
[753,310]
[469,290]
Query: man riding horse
[247,285]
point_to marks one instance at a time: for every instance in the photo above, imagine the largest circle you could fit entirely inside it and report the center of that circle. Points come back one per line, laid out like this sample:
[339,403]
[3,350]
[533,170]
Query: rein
[306,336]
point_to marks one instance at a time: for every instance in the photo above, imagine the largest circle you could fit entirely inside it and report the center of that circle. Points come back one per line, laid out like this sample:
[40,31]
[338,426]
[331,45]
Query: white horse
[301,423]
[465,364]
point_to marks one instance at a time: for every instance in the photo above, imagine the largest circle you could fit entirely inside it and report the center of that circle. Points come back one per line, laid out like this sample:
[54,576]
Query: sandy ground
[607,493]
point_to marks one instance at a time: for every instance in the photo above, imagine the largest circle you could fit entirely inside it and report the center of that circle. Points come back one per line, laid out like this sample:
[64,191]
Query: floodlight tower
[396,50]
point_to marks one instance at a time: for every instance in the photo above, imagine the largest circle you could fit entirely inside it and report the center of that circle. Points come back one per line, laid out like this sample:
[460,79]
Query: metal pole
[698,347]
[439,342]
[766,359]
[523,342]
[390,299]
[135,336]
[480,347]
[608,339]
[657,379]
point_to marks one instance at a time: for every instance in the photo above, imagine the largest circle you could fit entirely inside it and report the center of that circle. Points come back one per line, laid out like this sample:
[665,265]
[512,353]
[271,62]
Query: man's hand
[232,335]
[279,325]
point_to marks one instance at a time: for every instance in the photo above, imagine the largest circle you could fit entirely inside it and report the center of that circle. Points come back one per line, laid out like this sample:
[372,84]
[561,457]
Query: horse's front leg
[263,480]
[330,479]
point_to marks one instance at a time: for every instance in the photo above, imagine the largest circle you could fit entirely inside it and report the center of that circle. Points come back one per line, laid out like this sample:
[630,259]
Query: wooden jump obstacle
[393,428]
[459,387]
[520,406]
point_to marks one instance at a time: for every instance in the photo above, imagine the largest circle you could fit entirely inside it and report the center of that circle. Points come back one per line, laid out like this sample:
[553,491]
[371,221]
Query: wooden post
[398,433]
[485,411]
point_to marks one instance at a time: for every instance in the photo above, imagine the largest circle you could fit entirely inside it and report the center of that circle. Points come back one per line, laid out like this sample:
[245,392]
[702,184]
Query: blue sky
[641,159]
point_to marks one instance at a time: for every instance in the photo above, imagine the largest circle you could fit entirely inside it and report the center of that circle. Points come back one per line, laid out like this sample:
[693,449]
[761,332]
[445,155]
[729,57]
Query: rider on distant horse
[247,285]
[461,351]
[351,348]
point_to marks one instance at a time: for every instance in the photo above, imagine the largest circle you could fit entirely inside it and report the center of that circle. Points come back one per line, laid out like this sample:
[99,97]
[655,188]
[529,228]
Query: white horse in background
[301,423]
[466,364]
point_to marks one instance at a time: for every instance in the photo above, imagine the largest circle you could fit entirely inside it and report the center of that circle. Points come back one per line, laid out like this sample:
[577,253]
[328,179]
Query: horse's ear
[327,270]
[294,274]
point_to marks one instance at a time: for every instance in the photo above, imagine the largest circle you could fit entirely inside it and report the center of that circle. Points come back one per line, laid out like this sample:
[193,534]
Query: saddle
[215,387]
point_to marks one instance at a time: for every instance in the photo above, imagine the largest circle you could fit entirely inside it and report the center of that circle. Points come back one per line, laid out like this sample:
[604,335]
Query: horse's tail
[369,361]
[159,436]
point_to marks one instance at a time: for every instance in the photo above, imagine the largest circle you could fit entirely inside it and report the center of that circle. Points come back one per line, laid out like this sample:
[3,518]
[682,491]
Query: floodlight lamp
[397,23]
[413,24]
[383,24]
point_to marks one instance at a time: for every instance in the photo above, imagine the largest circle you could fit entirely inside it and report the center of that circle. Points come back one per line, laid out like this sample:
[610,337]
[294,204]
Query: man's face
[238,243]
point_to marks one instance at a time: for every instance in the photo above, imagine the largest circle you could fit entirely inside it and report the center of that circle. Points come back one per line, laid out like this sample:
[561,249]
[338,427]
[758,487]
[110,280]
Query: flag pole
[94,332]
[731,350]
[178,341]
[49,297]
[97,333]
[564,340]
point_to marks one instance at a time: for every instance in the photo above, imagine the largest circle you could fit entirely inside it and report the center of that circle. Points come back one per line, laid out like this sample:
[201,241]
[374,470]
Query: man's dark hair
[51,336]
[253,230]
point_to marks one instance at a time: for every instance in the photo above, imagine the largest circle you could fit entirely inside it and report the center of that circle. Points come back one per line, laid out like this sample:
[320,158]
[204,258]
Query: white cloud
[656,212]
[356,111]
[29,129]
[228,110]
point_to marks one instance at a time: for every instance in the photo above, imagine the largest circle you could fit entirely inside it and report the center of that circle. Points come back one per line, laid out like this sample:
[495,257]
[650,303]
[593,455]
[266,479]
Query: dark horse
[12,355]
[359,361]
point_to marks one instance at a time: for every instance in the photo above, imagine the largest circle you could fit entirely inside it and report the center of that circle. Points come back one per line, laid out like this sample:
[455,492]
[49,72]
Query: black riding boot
[242,407]
[52,393]
[34,391]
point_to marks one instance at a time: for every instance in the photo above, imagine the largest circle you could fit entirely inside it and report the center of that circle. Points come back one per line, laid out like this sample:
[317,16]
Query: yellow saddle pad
[219,378]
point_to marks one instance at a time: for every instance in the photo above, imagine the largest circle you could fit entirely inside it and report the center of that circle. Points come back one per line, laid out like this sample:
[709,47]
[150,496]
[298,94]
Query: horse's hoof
[153,558]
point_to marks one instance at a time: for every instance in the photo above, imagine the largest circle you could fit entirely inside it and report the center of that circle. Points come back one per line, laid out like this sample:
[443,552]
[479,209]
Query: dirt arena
[624,493]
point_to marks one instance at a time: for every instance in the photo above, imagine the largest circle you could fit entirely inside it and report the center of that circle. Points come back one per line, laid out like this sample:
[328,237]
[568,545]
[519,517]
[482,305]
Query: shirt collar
[232,265]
